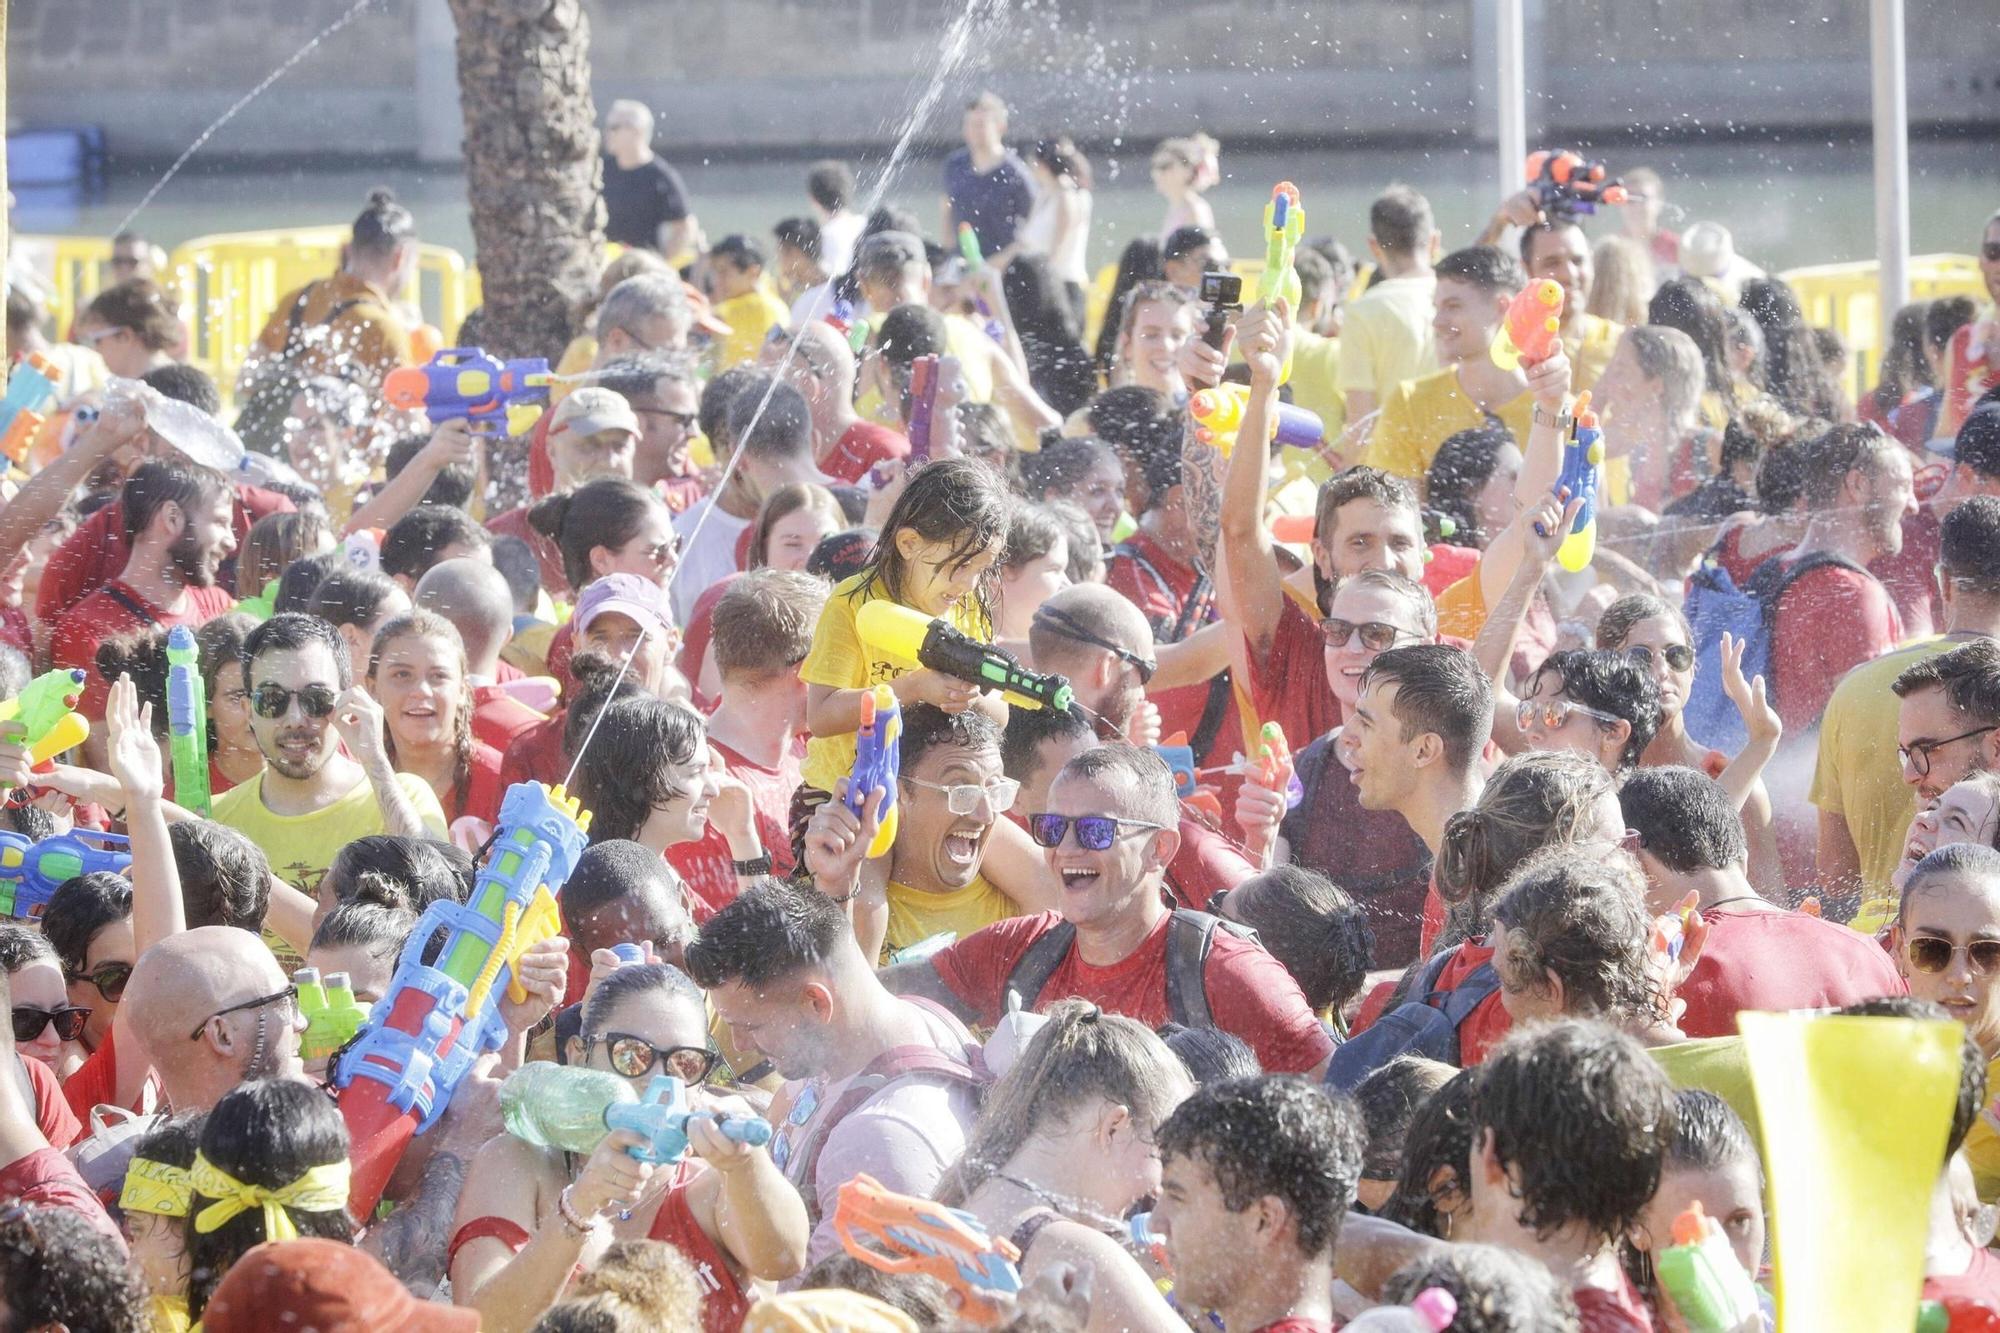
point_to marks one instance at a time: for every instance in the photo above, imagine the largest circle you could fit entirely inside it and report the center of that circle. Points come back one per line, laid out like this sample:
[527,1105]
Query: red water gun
[1532,331]
[899,1233]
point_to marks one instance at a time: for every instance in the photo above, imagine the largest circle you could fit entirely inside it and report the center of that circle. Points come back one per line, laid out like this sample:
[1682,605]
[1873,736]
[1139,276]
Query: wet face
[937,576]
[785,1022]
[683,817]
[1575,730]
[1368,534]
[1958,913]
[229,709]
[1926,722]
[667,419]
[1364,606]
[613,634]
[295,743]
[1659,636]
[936,850]
[1153,346]
[651,552]
[1966,812]
[206,539]
[38,984]
[580,458]
[1100,888]
[112,946]
[655,1018]
[1380,763]
[1100,493]
[1563,255]
[792,538]
[1211,1249]
[1464,318]
[1729,1193]
[420,683]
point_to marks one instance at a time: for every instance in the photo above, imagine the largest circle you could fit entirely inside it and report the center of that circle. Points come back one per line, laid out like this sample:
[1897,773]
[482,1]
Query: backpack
[1190,937]
[1426,1026]
[1714,604]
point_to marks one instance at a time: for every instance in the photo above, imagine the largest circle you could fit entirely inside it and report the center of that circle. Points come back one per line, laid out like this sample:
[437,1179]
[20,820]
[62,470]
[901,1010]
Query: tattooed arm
[411,1241]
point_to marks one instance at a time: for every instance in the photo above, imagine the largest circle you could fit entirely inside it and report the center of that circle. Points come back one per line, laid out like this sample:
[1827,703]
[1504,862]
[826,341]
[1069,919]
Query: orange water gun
[1532,331]
[900,1233]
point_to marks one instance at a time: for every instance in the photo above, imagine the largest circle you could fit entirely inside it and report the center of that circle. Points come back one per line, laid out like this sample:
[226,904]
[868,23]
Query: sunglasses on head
[635,1057]
[1094,833]
[1066,626]
[274,701]
[1933,953]
[1376,637]
[69,1020]
[1679,656]
[109,978]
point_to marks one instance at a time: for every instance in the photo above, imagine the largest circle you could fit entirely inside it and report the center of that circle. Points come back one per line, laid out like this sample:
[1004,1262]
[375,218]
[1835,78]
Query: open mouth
[1078,877]
[961,846]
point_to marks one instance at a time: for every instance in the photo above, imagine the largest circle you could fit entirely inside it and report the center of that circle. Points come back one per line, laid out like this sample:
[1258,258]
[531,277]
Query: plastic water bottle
[560,1106]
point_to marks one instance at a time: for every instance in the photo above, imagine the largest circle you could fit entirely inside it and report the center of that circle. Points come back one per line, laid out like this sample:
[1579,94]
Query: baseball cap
[324,1286]
[627,594]
[593,408]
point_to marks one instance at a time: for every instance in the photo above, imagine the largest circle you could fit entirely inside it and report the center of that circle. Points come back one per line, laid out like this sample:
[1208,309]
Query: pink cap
[628,594]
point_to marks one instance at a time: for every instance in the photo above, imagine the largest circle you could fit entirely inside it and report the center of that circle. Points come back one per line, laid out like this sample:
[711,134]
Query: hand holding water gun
[898,1233]
[187,721]
[1218,414]
[662,1117]
[30,392]
[1532,329]
[1583,468]
[43,719]
[331,1012]
[1699,1273]
[878,764]
[30,871]
[912,638]
[464,383]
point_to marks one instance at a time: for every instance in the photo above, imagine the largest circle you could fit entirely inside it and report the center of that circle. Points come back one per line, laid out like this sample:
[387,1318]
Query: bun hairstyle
[1533,801]
[383,225]
[606,512]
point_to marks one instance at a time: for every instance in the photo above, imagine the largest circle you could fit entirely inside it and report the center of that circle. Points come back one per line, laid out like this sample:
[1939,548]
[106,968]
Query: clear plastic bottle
[560,1106]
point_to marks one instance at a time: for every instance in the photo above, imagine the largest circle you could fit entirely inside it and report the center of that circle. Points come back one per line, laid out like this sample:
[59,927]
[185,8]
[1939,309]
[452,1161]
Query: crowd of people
[1372,922]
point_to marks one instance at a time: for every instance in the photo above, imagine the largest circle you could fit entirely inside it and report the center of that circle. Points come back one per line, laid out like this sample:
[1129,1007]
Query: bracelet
[1561,421]
[566,1210]
[759,864]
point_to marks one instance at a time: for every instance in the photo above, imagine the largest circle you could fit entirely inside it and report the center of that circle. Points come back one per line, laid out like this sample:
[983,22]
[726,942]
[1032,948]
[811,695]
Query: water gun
[31,389]
[46,713]
[331,1012]
[1671,929]
[1700,1272]
[1218,413]
[187,721]
[397,1077]
[1149,1243]
[1274,764]
[464,383]
[1532,331]
[1583,465]
[1566,185]
[923,404]
[878,762]
[916,639]
[662,1118]
[1957,1314]
[1284,228]
[30,872]
[968,246]
[899,1233]
[1179,758]
[855,330]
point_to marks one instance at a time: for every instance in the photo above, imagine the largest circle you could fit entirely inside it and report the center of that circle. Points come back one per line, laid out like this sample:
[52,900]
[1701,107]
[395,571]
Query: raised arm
[1251,584]
[452,442]
[1541,467]
[43,495]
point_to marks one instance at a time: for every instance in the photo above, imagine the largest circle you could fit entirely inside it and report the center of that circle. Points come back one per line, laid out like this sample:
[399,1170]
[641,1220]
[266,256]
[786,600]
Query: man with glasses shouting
[1109,831]
[314,796]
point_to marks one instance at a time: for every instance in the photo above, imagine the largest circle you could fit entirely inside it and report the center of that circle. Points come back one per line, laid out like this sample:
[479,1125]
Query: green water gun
[187,721]
[46,713]
[1284,228]
[263,606]
[331,1012]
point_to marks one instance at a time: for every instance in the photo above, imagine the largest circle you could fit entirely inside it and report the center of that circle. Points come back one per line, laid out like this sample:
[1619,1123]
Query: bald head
[822,365]
[181,984]
[475,598]
[1096,637]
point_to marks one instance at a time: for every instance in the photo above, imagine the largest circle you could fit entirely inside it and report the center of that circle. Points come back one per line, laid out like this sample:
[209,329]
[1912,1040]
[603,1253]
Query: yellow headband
[320,1190]
[155,1187]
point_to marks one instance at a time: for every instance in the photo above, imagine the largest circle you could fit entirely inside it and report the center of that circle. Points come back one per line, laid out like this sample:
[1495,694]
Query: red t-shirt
[1249,992]
[706,865]
[1979,1282]
[536,755]
[483,787]
[1828,622]
[59,1125]
[695,640]
[96,552]
[1288,684]
[1206,864]
[107,614]
[1605,1311]
[1485,1026]
[1160,586]
[1728,555]
[859,448]
[723,1302]
[45,1179]
[1777,961]
[498,717]
[95,1083]
[548,556]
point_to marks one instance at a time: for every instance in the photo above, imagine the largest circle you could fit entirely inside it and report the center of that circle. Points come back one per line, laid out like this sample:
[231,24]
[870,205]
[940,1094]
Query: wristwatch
[1561,421]
[756,865]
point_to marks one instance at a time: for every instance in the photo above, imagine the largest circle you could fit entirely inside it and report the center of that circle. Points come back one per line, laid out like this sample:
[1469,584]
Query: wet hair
[1086,547]
[1905,368]
[451,487]
[1839,451]
[1690,305]
[59,1271]
[1312,927]
[773,424]
[415,541]
[1685,819]
[267,1132]
[1439,688]
[1439,1139]
[351,596]
[79,908]
[1487,267]
[628,771]
[402,874]
[1581,917]
[712,411]
[274,542]
[1971,1060]
[423,624]
[1342,489]
[301,580]
[1062,466]
[378,931]
[142,307]
[1141,770]
[607,512]
[1969,545]
[635,980]
[1400,221]
[640,1285]
[1795,373]
[952,502]
[1080,1056]
[1462,466]
[769,931]
[158,482]
[599,683]
[1533,800]
[185,384]
[142,655]
[1389,1099]
[1708,1134]
[617,869]
[290,632]
[1615,626]
[1969,860]
[1610,683]
[1279,1136]
[1497,1290]
[764,623]
[1210,1055]
[1138,262]
[830,183]
[225,877]
[20,946]
[1969,675]
[1032,534]
[1021,739]
[383,224]
[926,727]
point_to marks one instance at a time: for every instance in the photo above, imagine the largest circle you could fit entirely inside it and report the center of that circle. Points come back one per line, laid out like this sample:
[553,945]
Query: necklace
[1047,1197]
[1739,898]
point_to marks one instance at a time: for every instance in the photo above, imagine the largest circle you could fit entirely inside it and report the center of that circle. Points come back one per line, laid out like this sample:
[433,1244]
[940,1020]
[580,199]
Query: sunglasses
[1094,833]
[109,978]
[1679,656]
[29,1021]
[274,701]
[1928,953]
[635,1057]
[685,420]
[964,798]
[1990,252]
[1917,754]
[1555,714]
[289,997]
[1376,637]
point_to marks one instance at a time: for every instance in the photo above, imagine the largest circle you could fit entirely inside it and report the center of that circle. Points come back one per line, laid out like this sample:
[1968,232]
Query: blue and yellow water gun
[31,388]
[464,383]
[31,872]
[661,1118]
[1583,464]
[878,763]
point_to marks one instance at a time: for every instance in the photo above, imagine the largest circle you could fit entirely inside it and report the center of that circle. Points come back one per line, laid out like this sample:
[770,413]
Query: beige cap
[593,408]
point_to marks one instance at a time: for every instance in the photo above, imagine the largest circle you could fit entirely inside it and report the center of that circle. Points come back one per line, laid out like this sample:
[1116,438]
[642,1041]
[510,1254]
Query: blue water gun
[1583,463]
[878,762]
[31,389]
[662,1119]
[30,872]
[464,383]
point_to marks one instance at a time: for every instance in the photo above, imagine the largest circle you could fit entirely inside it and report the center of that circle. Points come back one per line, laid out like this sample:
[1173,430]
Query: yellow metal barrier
[1847,299]
[73,267]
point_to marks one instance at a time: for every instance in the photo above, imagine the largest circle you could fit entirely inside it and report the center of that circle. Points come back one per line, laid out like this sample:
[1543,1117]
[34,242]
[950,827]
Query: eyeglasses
[1066,626]
[109,978]
[289,997]
[963,798]
[635,1057]
[1679,656]
[1555,714]
[1933,953]
[1376,637]
[1094,833]
[1918,754]
[274,701]
[685,420]
[69,1020]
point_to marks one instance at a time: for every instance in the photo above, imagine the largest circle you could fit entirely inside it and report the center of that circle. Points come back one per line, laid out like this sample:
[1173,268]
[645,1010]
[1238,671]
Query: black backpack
[1425,1024]
[1190,936]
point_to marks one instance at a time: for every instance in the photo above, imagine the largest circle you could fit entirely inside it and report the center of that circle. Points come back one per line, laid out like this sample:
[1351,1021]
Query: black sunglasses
[635,1057]
[69,1020]
[109,978]
[289,995]
[1679,656]
[1066,625]
[1376,637]
[274,701]
[1094,833]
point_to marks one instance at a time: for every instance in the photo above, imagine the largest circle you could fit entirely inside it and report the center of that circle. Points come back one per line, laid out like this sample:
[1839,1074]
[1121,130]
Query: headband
[321,1190]
[155,1187]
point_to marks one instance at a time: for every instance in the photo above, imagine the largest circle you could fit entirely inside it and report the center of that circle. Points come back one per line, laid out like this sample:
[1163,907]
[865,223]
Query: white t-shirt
[815,302]
[837,237]
[706,559]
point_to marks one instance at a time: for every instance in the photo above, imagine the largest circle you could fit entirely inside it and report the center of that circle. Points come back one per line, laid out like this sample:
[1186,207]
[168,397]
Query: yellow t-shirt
[840,659]
[1982,1142]
[915,915]
[301,847]
[1315,381]
[1419,414]
[576,359]
[1714,1064]
[749,317]
[1590,352]
[1857,776]
[974,350]
[1385,335]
